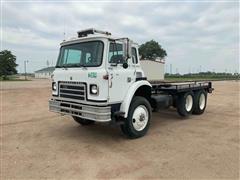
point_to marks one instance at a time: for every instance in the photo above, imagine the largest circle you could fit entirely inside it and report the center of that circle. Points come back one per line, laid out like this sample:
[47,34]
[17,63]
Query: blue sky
[195,34]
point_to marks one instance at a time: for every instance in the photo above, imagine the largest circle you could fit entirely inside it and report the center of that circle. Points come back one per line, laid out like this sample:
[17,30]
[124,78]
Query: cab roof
[90,34]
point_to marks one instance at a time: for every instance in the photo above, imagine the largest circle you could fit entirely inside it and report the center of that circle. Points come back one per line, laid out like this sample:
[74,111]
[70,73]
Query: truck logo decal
[92,75]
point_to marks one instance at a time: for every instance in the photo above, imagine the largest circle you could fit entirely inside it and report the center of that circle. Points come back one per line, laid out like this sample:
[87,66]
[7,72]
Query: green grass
[199,78]
[13,78]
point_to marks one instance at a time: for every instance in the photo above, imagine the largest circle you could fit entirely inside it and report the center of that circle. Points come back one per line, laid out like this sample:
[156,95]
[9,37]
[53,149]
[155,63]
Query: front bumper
[94,113]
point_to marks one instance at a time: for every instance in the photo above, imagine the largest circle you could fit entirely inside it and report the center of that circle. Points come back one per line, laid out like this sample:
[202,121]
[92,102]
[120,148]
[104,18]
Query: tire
[200,102]
[139,115]
[185,104]
[82,121]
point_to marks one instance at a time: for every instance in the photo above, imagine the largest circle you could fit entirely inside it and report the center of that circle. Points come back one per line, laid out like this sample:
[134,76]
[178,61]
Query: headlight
[93,89]
[54,86]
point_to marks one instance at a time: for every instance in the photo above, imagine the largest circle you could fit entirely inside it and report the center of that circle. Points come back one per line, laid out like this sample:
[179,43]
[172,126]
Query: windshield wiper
[73,65]
[69,65]
[62,66]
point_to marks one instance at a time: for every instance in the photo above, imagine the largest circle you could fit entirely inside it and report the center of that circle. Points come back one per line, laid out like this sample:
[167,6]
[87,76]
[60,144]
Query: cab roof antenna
[64,29]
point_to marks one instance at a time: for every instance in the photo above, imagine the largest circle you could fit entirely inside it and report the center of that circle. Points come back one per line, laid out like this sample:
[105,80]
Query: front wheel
[82,121]
[137,123]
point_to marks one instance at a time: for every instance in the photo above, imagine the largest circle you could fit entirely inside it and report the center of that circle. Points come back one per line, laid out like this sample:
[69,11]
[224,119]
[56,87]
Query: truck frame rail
[179,87]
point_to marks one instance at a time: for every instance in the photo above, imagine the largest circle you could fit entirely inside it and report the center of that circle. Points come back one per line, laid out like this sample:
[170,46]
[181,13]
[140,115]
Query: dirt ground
[36,143]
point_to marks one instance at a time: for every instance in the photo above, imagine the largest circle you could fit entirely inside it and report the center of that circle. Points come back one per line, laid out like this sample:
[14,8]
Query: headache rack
[86,32]
[178,87]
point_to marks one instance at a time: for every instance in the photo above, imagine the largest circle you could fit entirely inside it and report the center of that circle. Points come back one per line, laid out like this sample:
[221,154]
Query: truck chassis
[99,78]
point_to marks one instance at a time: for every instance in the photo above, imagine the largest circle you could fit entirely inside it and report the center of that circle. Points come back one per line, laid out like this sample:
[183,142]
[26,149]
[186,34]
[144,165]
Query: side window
[115,54]
[134,56]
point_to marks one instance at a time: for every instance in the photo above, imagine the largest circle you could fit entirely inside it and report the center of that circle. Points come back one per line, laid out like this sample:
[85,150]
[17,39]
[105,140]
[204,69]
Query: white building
[44,73]
[153,70]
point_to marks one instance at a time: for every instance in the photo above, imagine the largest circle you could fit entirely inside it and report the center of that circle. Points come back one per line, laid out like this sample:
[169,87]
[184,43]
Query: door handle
[110,81]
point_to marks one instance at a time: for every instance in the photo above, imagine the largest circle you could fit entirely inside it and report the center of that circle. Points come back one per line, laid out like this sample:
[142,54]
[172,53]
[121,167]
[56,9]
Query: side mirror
[129,44]
[127,49]
[125,65]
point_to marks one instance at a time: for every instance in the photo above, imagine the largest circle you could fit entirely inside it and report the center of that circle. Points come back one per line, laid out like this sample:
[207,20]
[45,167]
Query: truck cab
[99,78]
[93,75]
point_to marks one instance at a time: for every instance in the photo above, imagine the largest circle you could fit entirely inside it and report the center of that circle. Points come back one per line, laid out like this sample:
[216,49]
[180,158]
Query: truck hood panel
[85,75]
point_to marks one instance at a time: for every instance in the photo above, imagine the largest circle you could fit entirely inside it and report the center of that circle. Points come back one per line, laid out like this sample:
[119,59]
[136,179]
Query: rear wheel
[137,123]
[200,102]
[185,104]
[82,121]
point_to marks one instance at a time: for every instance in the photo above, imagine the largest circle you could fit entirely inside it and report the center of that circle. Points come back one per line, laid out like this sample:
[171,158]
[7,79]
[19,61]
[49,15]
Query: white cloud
[27,38]
[190,32]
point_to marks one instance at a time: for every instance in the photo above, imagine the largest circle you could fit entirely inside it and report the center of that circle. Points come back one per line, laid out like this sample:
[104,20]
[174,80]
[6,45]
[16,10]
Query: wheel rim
[189,102]
[140,118]
[202,101]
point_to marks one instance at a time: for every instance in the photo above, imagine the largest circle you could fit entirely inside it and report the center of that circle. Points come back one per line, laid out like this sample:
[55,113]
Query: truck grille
[72,90]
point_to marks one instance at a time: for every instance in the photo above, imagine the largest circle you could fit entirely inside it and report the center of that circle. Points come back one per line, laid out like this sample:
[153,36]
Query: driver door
[120,79]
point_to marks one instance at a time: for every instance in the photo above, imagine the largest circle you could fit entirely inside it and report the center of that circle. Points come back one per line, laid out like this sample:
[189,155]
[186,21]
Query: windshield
[87,54]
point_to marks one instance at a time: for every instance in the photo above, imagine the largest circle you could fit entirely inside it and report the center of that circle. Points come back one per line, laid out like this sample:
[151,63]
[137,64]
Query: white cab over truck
[99,78]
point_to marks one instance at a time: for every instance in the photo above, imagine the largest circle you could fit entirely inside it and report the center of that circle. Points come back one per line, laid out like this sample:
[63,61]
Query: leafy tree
[151,50]
[7,64]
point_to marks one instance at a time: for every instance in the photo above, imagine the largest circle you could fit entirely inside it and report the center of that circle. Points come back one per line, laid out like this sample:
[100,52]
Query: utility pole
[25,69]
[170,68]
[64,29]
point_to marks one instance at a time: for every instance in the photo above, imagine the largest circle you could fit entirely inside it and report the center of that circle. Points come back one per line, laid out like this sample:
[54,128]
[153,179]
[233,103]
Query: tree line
[204,75]
[7,64]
